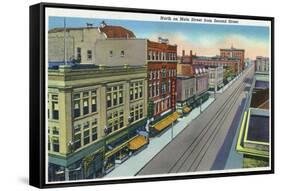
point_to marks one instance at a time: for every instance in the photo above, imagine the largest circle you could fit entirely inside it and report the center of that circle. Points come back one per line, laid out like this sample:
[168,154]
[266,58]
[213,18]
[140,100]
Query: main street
[197,146]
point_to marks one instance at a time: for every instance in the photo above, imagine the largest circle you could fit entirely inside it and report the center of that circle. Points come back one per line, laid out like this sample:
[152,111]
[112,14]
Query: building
[200,73]
[162,73]
[262,64]
[215,77]
[234,53]
[185,93]
[96,118]
[254,136]
[230,65]
[116,52]
[161,59]
[78,44]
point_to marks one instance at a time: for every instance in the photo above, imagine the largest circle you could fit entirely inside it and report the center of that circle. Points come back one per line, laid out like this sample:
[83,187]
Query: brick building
[234,53]
[162,72]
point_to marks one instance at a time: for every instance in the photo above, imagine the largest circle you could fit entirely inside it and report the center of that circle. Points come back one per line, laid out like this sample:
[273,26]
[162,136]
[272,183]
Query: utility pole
[172,131]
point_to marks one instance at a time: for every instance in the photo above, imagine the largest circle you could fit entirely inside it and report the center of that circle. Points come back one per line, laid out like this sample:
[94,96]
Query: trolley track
[206,133]
[199,142]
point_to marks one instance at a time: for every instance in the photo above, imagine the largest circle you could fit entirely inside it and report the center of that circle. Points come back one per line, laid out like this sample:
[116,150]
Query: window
[122,53]
[86,137]
[77,141]
[108,100]
[110,53]
[136,112]
[120,97]
[85,106]
[157,89]
[114,96]
[89,55]
[56,145]
[76,98]
[55,131]
[78,54]
[55,109]
[115,120]
[77,129]
[94,134]
[94,101]
[136,90]
[76,109]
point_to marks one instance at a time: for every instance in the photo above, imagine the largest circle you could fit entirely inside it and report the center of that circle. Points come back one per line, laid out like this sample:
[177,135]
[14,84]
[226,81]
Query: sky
[203,39]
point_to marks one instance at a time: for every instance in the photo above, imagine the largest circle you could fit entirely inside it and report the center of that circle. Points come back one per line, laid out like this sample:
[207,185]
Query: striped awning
[166,121]
[137,142]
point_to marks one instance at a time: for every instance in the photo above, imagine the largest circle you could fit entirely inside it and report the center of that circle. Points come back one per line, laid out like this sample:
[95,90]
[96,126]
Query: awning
[166,122]
[137,142]
[186,109]
[118,148]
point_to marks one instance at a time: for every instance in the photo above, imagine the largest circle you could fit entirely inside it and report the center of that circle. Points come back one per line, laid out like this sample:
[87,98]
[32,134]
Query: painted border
[37,95]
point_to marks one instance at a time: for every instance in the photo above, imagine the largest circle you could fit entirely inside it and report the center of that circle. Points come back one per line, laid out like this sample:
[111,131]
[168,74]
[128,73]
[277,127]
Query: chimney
[191,57]
[183,52]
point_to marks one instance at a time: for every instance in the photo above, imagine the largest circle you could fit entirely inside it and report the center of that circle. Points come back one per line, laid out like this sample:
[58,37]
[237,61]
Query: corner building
[94,117]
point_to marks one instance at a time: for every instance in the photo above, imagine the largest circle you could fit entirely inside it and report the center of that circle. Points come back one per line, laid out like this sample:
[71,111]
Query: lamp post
[172,131]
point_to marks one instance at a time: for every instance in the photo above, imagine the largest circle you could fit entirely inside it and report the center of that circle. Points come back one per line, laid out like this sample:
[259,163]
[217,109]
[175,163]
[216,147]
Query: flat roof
[261,84]
[258,129]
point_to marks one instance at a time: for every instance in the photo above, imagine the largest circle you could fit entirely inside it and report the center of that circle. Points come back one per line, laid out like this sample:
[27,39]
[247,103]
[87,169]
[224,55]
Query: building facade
[78,44]
[234,53]
[185,93]
[117,52]
[215,77]
[201,76]
[162,73]
[95,116]
[262,64]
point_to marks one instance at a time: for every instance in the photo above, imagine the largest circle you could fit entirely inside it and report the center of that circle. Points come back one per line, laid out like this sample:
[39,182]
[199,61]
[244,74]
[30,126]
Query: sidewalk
[135,163]
[227,85]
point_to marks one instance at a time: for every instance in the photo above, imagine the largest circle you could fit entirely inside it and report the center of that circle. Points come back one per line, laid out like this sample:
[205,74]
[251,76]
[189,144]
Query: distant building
[234,53]
[200,73]
[254,136]
[262,64]
[185,93]
[96,117]
[215,77]
[78,44]
[230,65]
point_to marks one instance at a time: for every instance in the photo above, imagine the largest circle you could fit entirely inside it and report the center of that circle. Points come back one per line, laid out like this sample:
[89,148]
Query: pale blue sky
[202,38]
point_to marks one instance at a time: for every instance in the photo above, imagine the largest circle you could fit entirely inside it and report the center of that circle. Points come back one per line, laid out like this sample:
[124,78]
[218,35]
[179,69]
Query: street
[196,147]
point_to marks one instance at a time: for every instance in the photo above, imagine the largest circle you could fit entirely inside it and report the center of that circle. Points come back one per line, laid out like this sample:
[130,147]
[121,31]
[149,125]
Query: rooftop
[117,32]
[258,128]
[109,30]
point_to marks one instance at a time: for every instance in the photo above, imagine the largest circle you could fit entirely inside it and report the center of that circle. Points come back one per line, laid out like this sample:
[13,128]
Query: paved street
[196,148]
[135,163]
